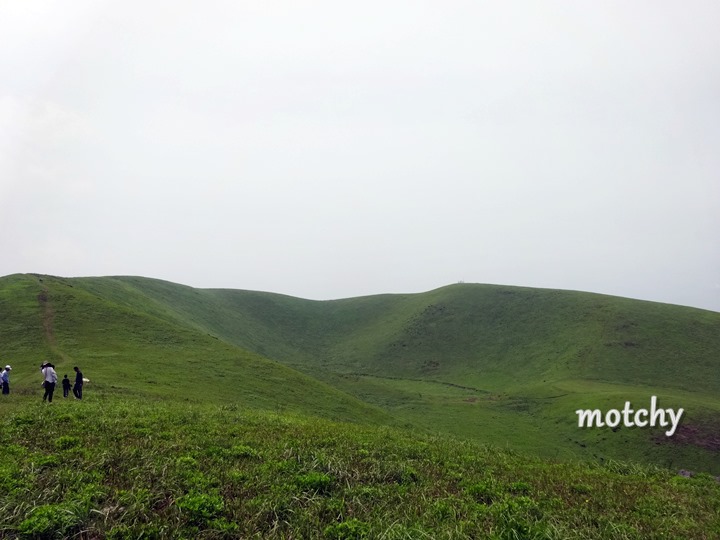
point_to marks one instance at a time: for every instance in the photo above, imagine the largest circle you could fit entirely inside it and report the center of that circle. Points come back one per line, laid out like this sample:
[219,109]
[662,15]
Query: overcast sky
[330,149]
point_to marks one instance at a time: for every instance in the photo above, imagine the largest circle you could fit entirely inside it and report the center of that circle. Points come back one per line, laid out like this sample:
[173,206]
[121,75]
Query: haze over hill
[504,365]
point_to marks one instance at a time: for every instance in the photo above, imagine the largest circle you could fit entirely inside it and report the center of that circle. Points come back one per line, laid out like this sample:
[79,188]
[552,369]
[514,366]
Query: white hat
[8,367]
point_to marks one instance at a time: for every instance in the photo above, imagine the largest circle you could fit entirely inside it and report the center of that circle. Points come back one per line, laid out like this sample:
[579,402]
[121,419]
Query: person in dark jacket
[77,389]
[66,386]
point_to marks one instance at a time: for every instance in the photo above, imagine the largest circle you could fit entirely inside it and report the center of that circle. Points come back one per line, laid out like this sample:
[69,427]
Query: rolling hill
[130,351]
[502,365]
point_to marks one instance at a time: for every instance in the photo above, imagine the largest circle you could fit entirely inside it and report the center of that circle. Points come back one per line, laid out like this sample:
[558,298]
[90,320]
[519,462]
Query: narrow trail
[453,385]
[48,315]
[48,322]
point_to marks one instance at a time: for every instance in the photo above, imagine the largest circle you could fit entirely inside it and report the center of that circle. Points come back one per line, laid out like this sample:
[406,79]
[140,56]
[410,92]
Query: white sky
[330,149]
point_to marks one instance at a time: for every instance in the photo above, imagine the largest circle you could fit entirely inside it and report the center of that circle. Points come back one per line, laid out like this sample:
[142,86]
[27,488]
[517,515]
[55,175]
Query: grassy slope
[485,336]
[143,457]
[115,467]
[505,365]
[526,359]
[124,349]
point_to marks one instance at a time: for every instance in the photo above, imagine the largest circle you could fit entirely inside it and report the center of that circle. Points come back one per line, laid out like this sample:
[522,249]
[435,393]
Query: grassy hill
[507,365]
[502,365]
[129,350]
[241,414]
[482,335]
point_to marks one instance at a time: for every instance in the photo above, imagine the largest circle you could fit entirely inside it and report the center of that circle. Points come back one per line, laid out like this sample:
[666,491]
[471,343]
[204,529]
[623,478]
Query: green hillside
[129,350]
[507,365]
[502,365]
[481,335]
[447,414]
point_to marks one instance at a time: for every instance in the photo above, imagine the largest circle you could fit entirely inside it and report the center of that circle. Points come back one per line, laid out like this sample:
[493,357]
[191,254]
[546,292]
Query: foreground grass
[123,468]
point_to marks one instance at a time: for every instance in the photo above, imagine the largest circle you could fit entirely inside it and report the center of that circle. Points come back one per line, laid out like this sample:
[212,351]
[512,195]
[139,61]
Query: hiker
[50,378]
[5,379]
[77,389]
[66,386]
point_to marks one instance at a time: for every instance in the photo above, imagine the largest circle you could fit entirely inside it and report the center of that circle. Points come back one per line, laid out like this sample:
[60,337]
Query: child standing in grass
[66,386]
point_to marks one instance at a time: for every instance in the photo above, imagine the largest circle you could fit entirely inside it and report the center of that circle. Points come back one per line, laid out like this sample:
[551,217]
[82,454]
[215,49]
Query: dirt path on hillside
[48,315]
[452,385]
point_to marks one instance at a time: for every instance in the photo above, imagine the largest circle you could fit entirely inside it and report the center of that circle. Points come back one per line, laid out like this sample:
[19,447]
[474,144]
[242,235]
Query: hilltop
[500,365]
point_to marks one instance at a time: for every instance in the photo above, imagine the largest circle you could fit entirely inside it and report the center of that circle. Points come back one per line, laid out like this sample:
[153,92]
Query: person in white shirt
[50,378]
[5,379]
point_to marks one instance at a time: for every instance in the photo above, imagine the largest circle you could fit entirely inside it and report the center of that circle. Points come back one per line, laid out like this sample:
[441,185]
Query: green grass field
[446,414]
[119,467]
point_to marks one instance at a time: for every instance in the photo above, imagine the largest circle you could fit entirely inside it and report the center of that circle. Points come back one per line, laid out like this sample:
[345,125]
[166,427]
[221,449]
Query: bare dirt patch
[702,435]
[48,315]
